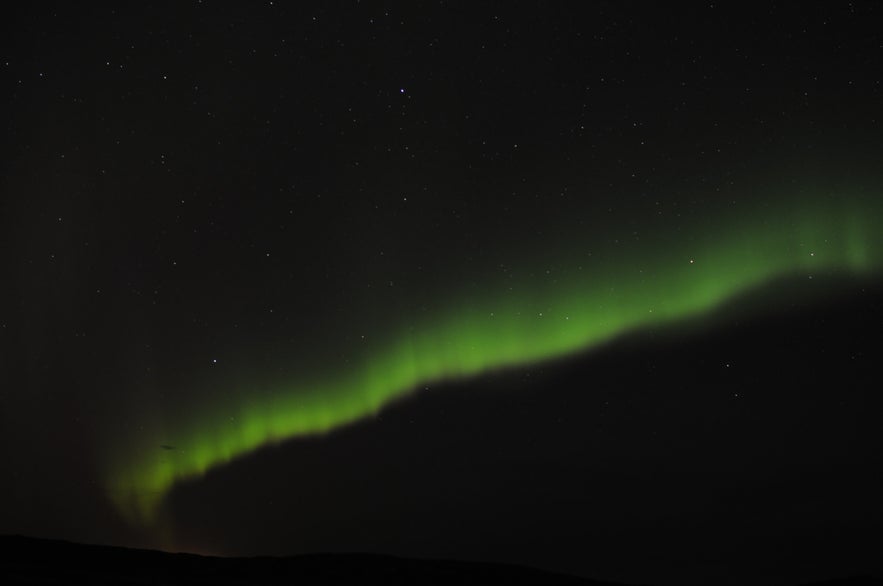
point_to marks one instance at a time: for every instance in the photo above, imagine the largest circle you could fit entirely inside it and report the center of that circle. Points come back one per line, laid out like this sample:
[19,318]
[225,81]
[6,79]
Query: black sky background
[194,193]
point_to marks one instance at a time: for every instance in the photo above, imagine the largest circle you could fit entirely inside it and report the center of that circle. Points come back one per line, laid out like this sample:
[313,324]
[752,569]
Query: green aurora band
[660,279]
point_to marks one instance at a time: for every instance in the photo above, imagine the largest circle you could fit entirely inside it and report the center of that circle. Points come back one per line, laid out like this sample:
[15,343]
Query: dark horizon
[26,559]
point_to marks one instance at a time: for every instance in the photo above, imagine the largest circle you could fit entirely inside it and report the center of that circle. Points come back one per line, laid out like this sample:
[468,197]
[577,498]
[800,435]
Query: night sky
[593,287]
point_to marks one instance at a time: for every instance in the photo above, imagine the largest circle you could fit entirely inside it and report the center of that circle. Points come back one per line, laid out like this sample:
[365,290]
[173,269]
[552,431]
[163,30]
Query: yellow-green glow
[671,275]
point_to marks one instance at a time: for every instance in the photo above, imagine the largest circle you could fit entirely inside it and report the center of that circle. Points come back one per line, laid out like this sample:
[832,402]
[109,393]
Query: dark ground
[26,560]
[37,561]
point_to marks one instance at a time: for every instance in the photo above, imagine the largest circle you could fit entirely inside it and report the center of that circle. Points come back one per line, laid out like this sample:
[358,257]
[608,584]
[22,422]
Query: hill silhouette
[25,560]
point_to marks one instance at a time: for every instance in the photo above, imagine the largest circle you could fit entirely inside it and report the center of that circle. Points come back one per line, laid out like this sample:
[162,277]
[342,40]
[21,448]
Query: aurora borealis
[633,287]
[592,288]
